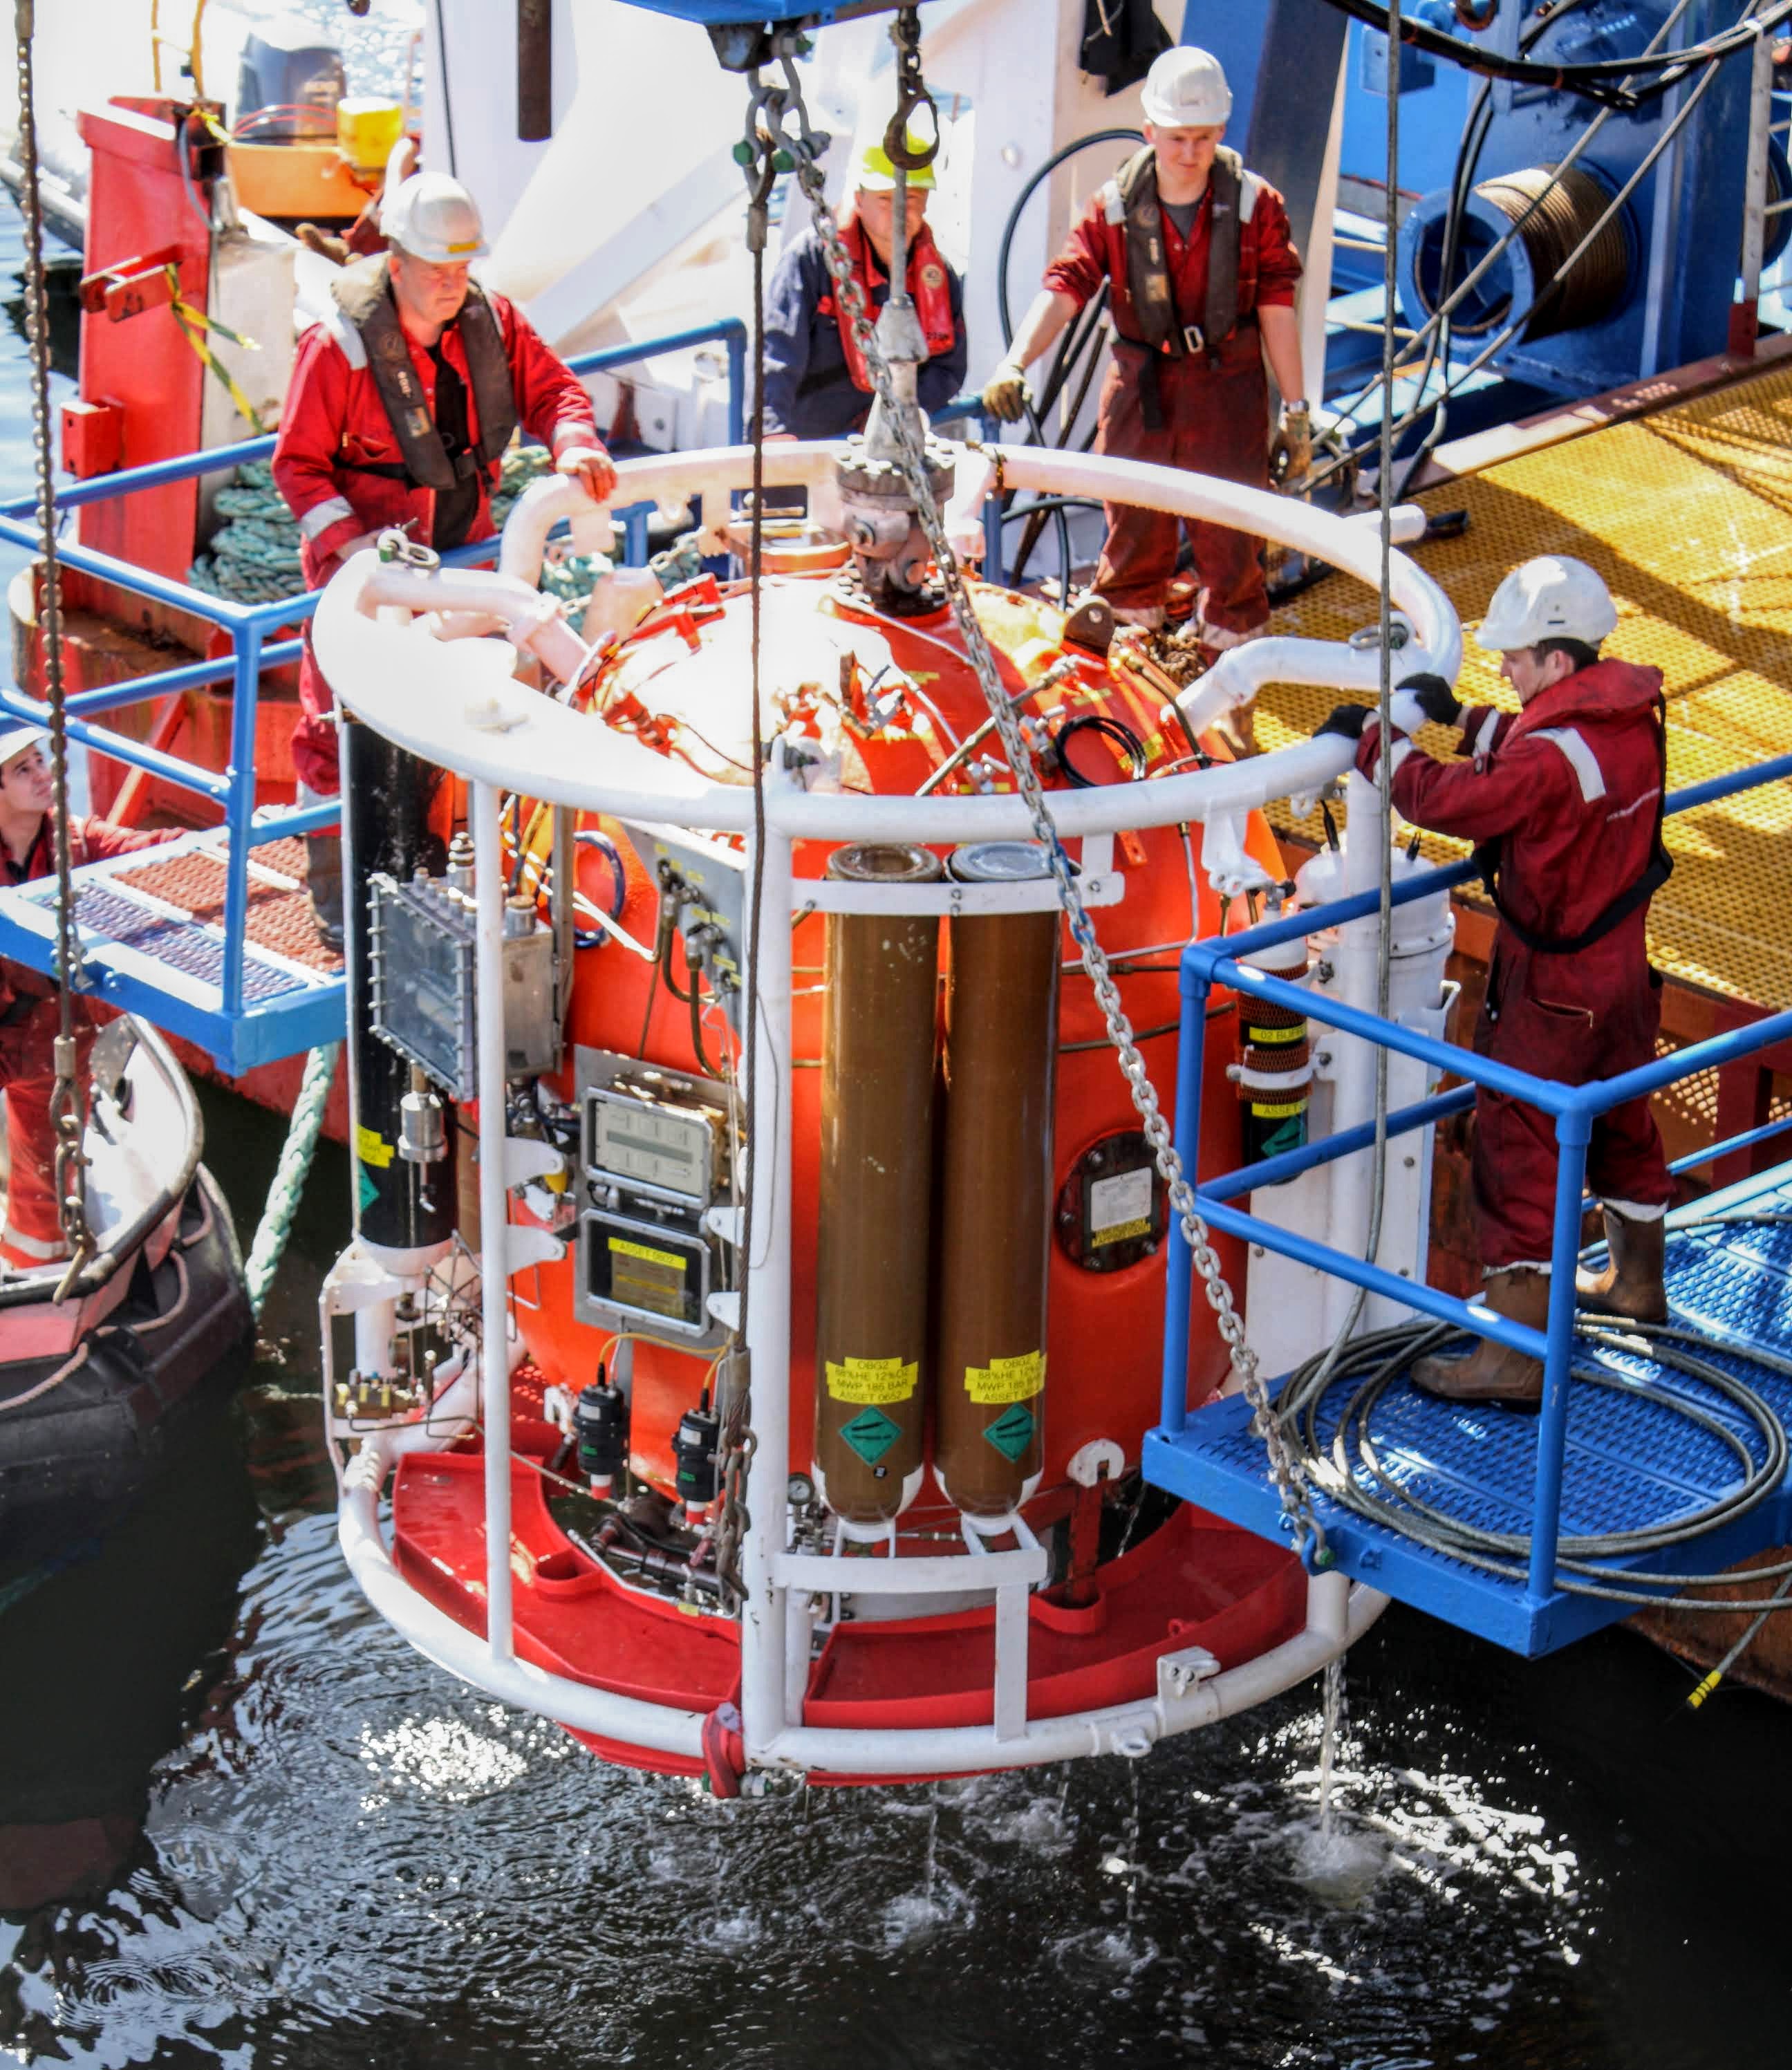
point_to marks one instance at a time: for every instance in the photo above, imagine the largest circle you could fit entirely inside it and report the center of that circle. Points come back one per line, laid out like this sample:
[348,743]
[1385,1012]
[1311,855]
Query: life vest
[373,337]
[1654,872]
[930,289]
[1130,200]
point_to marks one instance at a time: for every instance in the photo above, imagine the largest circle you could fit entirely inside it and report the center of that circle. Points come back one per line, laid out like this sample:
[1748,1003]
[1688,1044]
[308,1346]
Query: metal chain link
[1291,1486]
[65,1099]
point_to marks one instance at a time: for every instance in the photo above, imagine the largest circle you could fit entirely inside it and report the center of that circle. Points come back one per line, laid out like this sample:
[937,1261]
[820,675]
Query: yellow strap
[194,324]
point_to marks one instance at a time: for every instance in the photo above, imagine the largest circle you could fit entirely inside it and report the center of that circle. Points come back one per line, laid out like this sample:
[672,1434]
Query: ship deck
[1648,1450]
[1685,512]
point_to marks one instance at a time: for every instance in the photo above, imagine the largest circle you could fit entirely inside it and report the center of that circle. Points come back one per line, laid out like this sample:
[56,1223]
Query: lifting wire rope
[66,1103]
[801,148]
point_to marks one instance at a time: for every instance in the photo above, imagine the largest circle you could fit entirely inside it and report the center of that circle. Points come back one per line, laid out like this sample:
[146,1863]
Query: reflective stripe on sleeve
[318,519]
[1581,759]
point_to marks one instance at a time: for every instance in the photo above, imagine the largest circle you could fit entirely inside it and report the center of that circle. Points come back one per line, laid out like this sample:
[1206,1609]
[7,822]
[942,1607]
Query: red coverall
[334,420]
[1569,787]
[1216,419]
[29,1018]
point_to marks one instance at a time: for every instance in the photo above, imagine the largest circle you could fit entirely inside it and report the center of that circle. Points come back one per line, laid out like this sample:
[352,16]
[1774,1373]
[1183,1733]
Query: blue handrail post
[240,809]
[735,341]
[1574,1130]
[1190,1059]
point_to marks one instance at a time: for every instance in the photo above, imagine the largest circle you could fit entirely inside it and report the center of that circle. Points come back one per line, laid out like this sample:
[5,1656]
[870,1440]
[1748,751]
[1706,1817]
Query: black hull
[70,1461]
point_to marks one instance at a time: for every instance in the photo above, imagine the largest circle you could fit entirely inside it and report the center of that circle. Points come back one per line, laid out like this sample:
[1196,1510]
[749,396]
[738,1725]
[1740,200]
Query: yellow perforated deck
[1688,514]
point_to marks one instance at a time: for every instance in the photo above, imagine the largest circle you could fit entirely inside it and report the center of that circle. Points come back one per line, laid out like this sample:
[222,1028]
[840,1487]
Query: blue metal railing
[250,627]
[1574,1110]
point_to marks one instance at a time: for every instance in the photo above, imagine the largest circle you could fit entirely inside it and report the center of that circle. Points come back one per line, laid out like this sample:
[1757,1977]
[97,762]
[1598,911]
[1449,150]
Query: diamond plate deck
[153,943]
[1684,513]
[1630,1461]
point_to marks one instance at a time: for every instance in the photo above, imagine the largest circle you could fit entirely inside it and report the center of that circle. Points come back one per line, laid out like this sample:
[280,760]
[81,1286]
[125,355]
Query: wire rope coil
[1553,209]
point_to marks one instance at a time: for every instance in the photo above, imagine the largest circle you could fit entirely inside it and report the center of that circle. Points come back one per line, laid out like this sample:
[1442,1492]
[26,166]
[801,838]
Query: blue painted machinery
[1654,287]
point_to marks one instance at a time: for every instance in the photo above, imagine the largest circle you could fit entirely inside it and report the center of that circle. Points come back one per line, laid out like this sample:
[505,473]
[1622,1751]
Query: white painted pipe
[488,881]
[1240,673]
[1125,1728]
[534,624]
[535,513]
[464,1653]
[1345,544]
[764,1661]
[1407,526]
[455,705]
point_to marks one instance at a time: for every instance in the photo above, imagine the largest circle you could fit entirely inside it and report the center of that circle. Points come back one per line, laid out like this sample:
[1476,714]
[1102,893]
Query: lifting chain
[66,1103]
[797,140]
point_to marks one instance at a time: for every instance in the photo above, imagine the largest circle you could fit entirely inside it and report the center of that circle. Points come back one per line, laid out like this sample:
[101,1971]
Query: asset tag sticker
[1012,1432]
[872,1380]
[1006,1379]
[870,1433]
[371,1147]
[1120,1208]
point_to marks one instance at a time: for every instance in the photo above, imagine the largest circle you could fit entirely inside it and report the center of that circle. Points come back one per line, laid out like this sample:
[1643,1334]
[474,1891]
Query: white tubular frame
[454,703]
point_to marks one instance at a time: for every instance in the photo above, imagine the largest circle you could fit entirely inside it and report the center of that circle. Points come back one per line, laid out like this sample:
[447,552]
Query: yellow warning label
[1261,1036]
[629,1249]
[1279,1112]
[875,1381]
[1007,1380]
[372,1148]
[1123,1232]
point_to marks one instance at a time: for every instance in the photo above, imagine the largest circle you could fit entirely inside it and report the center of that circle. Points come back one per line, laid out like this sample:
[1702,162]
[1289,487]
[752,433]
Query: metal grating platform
[1630,1461]
[1685,513]
[152,942]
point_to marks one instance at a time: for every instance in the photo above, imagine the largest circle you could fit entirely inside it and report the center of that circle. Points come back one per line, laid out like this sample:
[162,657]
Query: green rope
[253,557]
[287,1189]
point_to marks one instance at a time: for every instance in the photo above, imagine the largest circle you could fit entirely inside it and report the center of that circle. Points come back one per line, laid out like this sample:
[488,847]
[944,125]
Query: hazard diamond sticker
[871,1434]
[1011,1431]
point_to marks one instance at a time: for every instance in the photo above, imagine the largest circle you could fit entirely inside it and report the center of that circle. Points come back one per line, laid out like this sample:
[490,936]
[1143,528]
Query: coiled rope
[253,557]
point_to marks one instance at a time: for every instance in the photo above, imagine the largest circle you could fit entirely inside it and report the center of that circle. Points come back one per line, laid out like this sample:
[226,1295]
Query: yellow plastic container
[366,129]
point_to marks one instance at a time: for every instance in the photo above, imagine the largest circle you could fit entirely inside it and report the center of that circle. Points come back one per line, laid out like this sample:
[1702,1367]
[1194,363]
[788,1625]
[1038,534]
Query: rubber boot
[1631,1284]
[323,881]
[1491,1372]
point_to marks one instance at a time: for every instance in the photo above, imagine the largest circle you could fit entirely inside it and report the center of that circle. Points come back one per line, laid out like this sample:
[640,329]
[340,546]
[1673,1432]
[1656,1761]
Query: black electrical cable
[1604,82]
[1115,731]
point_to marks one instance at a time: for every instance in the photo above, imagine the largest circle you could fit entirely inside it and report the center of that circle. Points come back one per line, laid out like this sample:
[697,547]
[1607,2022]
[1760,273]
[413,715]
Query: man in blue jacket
[817,385]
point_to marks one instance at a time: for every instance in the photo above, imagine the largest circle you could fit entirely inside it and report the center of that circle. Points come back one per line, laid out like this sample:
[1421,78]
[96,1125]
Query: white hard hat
[16,737]
[1551,598]
[1186,89]
[433,218]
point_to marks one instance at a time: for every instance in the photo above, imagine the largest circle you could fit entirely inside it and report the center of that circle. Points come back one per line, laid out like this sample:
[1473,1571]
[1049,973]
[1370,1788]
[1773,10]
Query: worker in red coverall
[1564,800]
[402,403]
[1201,266]
[30,1017]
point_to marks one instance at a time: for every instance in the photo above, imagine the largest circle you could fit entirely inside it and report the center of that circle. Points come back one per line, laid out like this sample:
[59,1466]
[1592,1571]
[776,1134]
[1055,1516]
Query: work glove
[1005,393]
[591,467]
[1435,698]
[1346,721]
[1291,449]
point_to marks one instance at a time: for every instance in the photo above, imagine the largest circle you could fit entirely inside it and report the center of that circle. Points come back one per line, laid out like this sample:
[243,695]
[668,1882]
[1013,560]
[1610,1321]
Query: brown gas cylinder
[879,1013]
[995,1196]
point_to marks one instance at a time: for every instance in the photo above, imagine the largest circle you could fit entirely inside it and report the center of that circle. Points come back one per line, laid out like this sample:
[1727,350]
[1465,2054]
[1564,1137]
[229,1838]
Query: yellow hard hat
[874,174]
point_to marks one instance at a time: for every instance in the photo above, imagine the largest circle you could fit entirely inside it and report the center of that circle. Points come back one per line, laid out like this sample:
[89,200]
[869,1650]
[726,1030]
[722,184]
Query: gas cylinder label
[872,1379]
[1012,1432]
[870,1433]
[372,1148]
[1006,1379]
[1297,1033]
[1120,1208]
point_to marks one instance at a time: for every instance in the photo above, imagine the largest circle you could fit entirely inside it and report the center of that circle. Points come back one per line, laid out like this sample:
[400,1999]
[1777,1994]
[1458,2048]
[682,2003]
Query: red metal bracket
[132,285]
